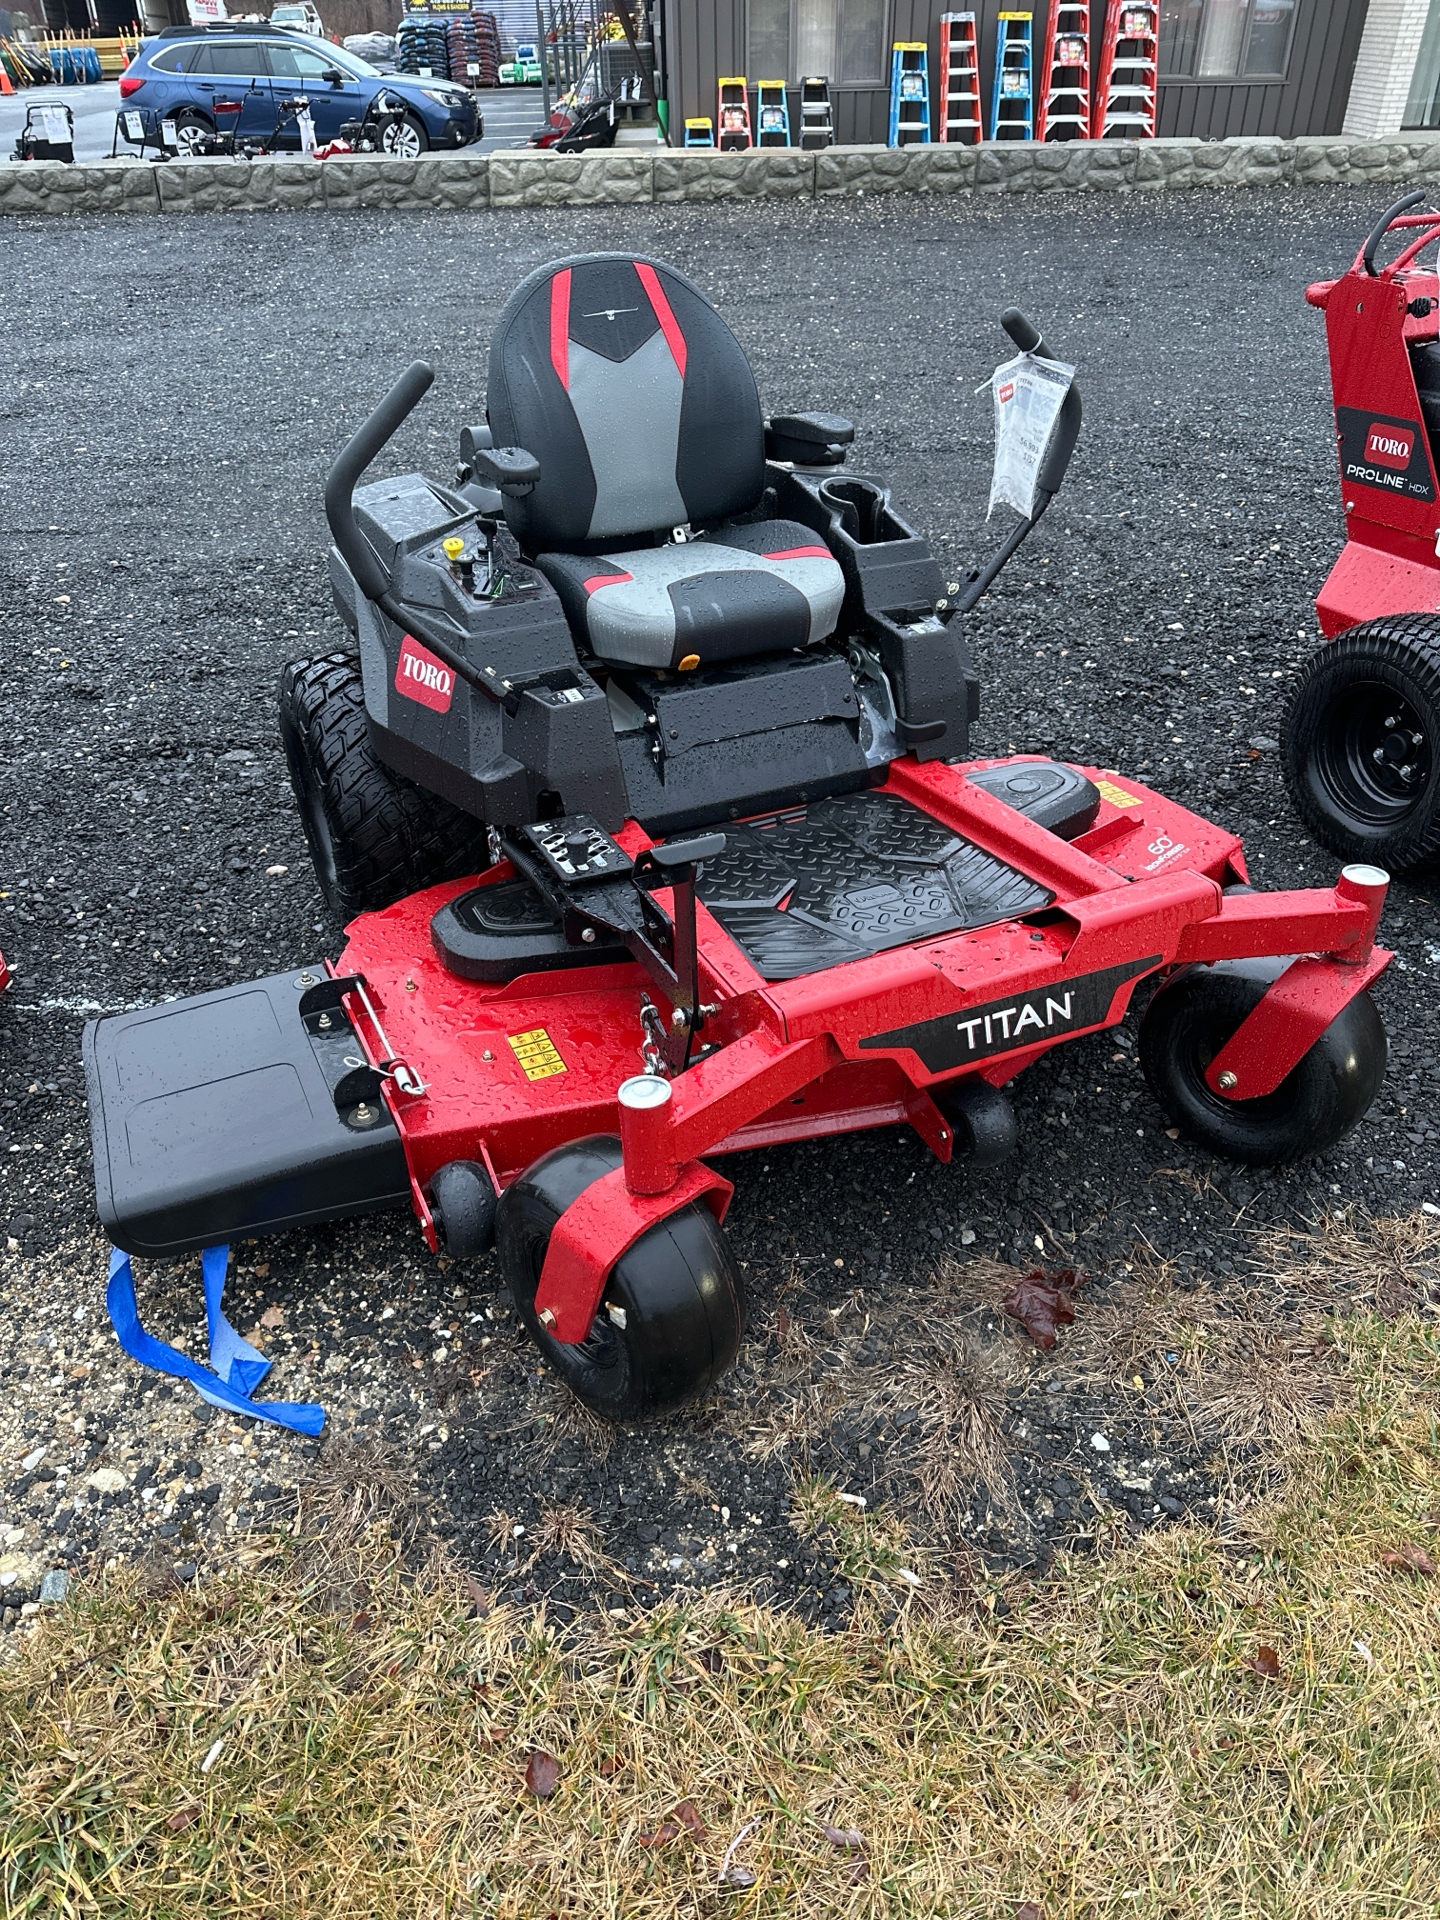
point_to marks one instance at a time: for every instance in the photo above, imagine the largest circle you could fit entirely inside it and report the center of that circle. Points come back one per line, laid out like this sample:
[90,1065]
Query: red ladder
[1065,73]
[959,79]
[732,124]
[1125,97]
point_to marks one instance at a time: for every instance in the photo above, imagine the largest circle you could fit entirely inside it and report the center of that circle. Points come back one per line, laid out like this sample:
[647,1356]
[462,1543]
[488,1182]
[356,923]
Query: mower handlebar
[352,460]
[1024,333]
[1382,227]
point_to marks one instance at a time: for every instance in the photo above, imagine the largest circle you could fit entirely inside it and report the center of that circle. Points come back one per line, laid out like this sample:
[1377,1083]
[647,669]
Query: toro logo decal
[1389,455]
[1389,446]
[1004,1026]
[420,676]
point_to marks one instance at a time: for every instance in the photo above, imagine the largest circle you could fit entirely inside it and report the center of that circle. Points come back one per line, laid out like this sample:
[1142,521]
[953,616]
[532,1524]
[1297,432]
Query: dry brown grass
[1111,1746]
[570,1531]
[955,1388]
[1352,1258]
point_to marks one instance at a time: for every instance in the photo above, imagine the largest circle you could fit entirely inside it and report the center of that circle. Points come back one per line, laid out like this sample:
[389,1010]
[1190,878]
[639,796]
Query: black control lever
[371,576]
[674,864]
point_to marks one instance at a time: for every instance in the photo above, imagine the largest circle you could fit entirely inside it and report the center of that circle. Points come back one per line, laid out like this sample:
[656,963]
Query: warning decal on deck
[1117,796]
[536,1053]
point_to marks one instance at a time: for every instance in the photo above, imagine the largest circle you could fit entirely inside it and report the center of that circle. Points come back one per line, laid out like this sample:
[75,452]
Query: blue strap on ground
[238,1368]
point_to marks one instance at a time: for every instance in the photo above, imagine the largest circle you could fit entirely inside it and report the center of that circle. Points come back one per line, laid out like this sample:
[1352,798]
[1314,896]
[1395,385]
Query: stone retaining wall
[529,178]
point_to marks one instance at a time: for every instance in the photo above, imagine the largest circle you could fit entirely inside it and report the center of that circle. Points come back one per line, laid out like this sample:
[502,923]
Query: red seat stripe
[598,580]
[800,553]
[669,325]
[560,326]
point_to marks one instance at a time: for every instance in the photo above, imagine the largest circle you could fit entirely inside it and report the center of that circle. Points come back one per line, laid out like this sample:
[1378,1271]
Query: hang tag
[167,133]
[134,125]
[304,120]
[1027,396]
[53,124]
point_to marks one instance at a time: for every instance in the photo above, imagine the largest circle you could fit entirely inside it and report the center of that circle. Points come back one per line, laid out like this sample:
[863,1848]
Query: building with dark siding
[1278,67]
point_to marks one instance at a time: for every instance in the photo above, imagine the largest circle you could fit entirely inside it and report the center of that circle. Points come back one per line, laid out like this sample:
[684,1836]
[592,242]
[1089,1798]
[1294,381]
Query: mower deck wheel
[1189,1020]
[673,1311]
[463,1202]
[1361,743]
[373,836]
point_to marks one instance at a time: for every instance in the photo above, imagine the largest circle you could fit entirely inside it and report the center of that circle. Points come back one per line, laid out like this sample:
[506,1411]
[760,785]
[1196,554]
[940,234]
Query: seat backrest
[633,394]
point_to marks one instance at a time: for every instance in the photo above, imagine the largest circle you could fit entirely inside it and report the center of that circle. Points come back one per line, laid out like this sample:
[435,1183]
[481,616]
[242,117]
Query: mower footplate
[853,876]
[498,932]
[229,1114]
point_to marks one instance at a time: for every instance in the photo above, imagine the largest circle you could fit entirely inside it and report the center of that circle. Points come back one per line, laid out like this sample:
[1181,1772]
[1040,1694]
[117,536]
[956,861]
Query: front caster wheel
[1188,1022]
[673,1310]
[1361,743]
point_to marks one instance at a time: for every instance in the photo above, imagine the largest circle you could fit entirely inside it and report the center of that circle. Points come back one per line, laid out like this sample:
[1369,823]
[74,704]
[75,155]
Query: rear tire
[1190,1019]
[678,1288]
[1373,691]
[373,836]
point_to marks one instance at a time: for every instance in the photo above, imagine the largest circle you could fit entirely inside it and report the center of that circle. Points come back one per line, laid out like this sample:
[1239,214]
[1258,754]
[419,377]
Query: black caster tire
[373,836]
[463,1203]
[982,1118]
[1189,1020]
[1373,691]
[678,1288]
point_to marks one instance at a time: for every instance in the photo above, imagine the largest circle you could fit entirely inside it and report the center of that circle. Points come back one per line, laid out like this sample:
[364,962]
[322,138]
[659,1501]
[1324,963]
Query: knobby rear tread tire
[1403,652]
[373,835]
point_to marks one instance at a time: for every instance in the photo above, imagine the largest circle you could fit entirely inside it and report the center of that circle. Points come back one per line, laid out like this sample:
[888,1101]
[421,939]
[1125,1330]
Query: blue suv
[180,74]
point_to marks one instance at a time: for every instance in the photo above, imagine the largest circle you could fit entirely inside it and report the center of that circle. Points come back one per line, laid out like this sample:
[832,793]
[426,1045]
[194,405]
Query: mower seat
[738,591]
[617,375]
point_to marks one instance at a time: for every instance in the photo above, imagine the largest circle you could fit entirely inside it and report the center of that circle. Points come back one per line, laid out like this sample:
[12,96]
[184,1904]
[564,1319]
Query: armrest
[808,439]
[510,469]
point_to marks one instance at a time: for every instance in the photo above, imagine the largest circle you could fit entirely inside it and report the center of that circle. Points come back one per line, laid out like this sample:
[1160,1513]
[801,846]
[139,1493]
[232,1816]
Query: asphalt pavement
[511,115]
[168,421]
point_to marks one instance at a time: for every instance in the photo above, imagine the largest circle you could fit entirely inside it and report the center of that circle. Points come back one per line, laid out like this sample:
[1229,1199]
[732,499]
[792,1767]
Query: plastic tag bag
[1027,395]
[305,122]
[53,124]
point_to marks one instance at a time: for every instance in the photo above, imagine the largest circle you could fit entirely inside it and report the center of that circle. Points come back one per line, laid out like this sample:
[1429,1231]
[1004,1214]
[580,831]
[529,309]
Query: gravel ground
[170,411]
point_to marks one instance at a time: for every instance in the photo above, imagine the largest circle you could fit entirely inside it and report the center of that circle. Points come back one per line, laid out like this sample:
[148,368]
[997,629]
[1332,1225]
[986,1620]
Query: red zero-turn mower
[649,790]
[1361,739]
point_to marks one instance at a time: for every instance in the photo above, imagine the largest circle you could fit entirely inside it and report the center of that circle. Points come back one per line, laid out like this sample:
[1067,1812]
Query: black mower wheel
[673,1311]
[1189,1020]
[373,836]
[1361,743]
[463,1203]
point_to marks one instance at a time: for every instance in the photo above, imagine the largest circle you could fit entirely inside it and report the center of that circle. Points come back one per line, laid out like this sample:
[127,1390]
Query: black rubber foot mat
[850,877]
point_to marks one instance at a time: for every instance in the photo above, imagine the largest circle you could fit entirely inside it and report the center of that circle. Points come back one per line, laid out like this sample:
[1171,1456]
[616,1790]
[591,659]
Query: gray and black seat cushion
[637,400]
[738,591]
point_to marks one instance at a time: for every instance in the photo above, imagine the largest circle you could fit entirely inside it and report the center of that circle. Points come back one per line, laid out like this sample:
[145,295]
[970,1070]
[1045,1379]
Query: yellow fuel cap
[454,547]
[689,663]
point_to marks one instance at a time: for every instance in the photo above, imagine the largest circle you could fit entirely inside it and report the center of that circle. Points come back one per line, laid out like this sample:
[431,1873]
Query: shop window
[843,39]
[1225,39]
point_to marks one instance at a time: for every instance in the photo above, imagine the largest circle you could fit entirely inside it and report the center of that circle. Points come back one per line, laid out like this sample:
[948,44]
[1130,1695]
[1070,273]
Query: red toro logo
[1389,446]
[1007,392]
[420,676]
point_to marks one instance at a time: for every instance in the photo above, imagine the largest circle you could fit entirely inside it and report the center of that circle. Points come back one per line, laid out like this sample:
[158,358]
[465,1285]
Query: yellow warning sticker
[1117,796]
[536,1053]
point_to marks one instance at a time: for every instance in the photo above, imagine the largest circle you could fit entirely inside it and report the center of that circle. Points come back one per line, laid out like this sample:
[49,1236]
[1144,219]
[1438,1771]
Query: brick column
[1385,66]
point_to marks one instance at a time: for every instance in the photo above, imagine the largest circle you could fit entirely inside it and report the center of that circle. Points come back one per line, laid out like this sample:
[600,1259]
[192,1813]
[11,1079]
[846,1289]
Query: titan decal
[1004,1026]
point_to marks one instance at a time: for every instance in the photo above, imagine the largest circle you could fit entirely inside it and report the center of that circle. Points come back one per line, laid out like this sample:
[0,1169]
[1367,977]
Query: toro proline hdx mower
[649,789]
[1361,738]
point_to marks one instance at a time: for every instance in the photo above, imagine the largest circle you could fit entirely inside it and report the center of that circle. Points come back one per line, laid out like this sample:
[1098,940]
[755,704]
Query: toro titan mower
[1362,733]
[649,793]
